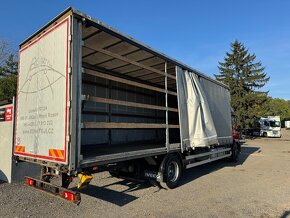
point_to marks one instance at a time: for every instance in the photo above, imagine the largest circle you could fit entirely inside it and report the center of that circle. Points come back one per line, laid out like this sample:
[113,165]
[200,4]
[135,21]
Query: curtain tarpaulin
[197,128]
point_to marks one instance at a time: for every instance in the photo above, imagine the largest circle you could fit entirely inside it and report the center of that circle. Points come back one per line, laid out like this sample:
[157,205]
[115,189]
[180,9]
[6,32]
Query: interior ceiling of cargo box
[115,55]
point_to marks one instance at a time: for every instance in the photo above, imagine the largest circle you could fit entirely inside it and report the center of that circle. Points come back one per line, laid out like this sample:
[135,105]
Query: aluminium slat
[129,104]
[122,58]
[113,125]
[126,81]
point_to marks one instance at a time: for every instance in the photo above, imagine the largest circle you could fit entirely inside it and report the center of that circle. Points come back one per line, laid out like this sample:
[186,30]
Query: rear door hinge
[69,103]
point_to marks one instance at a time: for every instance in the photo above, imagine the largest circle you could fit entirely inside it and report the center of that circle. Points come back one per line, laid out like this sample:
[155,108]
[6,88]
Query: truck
[287,124]
[92,99]
[270,126]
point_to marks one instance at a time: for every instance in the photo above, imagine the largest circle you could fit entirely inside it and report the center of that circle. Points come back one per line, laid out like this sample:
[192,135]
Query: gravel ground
[257,186]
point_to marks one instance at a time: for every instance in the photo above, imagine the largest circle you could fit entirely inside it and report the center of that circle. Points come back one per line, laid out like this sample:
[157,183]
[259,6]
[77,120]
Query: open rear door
[43,95]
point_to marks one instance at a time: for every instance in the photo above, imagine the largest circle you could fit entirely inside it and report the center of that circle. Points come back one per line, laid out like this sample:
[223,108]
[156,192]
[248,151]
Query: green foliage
[8,86]
[279,107]
[245,77]
[8,72]
[9,67]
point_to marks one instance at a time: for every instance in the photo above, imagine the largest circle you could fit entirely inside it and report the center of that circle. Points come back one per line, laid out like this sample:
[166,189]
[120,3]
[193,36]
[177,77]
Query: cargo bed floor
[108,153]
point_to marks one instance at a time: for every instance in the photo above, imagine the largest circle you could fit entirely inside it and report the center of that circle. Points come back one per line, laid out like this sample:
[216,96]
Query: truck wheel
[172,171]
[264,134]
[235,152]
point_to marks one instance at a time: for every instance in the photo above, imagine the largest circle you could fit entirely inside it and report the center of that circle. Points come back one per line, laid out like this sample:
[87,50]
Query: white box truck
[91,99]
[287,124]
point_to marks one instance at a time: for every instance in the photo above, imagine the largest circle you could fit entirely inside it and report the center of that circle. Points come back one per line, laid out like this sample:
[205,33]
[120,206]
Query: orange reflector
[56,153]
[19,148]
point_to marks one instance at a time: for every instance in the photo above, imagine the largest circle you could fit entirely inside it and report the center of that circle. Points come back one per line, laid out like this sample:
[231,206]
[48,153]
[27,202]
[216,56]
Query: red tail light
[30,182]
[68,195]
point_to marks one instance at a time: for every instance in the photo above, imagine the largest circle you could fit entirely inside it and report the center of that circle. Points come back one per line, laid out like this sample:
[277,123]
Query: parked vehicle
[270,126]
[92,99]
[287,124]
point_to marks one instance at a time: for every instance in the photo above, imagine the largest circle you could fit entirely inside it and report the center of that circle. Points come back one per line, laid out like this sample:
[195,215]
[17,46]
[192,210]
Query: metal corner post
[76,91]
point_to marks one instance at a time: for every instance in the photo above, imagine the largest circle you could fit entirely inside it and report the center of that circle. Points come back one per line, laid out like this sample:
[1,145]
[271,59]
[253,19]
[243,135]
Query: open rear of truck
[89,96]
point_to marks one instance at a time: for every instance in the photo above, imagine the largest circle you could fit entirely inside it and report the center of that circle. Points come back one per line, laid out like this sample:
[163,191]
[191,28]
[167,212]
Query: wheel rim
[173,171]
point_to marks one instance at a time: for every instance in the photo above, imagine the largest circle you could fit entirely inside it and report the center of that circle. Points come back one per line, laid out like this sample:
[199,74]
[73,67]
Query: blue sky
[197,33]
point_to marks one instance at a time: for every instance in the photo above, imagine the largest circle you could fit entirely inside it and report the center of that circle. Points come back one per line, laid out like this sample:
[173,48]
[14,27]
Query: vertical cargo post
[166,105]
[76,92]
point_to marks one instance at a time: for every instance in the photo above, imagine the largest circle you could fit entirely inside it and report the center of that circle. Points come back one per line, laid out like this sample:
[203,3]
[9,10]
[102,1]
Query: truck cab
[270,126]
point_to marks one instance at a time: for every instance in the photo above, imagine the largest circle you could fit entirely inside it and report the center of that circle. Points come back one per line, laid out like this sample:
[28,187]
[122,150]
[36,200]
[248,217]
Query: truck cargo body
[287,124]
[91,96]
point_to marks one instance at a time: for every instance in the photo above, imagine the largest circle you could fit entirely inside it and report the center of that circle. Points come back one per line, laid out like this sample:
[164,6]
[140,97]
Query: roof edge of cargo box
[130,40]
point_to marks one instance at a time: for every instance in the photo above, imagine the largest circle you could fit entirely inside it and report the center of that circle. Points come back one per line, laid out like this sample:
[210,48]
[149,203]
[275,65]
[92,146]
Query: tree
[9,67]
[8,87]
[279,107]
[8,72]
[245,77]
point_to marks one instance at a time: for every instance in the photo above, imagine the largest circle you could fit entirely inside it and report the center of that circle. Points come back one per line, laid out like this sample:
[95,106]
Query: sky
[197,33]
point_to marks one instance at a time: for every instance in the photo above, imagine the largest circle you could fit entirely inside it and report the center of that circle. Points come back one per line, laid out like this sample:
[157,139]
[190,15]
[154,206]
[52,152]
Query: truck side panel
[219,101]
[43,95]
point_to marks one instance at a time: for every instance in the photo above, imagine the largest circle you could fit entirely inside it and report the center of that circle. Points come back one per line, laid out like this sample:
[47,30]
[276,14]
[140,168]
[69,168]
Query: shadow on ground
[2,182]
[286,214]
[199,171]
[122,198]
[119,198]
[3,177]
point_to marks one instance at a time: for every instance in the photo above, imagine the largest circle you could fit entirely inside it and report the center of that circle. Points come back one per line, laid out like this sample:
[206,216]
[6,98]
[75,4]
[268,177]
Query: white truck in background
[287,124]
[270,126]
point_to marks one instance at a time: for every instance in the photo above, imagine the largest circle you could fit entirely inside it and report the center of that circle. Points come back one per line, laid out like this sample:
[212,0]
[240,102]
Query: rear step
[64,193]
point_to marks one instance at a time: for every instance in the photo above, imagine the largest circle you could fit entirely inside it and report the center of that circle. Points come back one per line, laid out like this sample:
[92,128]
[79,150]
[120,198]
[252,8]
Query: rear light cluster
[68,195]
[30,182]
[74,197]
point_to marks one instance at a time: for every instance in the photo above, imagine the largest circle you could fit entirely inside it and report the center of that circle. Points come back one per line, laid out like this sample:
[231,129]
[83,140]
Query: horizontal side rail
[207,153]
[126,81]
[112,125]
[207,161]
[127,103]
[109,158]
[122,58]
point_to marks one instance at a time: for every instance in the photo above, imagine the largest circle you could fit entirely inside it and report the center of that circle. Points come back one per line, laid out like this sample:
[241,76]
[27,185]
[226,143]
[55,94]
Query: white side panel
[42,109]
[287,124]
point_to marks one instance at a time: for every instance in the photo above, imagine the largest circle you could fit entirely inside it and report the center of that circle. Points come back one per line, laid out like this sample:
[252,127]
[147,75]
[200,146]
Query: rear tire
[235,152]
[265,134]
[172,171]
